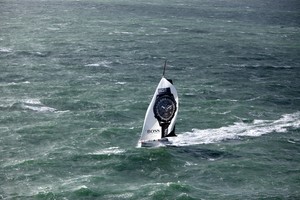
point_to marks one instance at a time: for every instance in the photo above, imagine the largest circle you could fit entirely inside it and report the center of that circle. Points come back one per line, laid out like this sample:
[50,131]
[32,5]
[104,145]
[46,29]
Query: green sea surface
[76,78]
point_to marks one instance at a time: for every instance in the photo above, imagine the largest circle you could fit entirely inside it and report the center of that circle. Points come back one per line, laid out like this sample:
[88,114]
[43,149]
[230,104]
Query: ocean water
[76,78]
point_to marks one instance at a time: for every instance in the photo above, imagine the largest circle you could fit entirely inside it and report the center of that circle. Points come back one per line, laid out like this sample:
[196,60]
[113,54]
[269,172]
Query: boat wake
[237,130]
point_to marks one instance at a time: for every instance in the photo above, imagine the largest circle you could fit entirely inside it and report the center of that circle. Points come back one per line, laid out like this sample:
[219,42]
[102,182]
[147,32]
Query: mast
[165,65]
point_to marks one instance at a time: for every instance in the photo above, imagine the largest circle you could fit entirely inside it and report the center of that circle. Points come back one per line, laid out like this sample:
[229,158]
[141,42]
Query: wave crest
[36,105]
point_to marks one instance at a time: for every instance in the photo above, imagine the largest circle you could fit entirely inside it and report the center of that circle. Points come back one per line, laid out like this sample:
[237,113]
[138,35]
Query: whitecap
[75,180]
[120,83]
[126,195]
[104,63]
[53,29]
[237,130]
[80,187]
[32,101]
[292,141]
[40,108]
[93,65]
[108,151]
[190,164]
[36,105]
[13,83]
[8,84]
[121,32]
[13,162]
[5,50]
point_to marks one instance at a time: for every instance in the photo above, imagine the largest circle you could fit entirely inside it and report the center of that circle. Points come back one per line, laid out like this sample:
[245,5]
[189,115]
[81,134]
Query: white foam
[13,83]
[237,130]
[74,181]
[53,28]
[121,33]
[5,50]
[120,83]
[40,108]
[36,105]
[80,187]
[8,84]
[126,195]
[12,162]
[104,63]
[32,101]
[28,104]
[108,151]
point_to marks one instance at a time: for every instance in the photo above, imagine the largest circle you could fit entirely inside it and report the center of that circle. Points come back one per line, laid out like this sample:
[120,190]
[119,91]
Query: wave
[13,83]
[258,66]
[5,50]
[105,64]
[120,83]
[108,151]
[238,130]
[36,105]
[27,104]
[121,33]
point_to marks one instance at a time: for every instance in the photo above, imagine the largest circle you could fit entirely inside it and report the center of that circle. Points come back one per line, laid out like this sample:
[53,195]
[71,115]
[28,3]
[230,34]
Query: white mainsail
[151,129]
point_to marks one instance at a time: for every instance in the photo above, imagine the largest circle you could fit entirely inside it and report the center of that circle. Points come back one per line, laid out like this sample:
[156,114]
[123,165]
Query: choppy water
[77,76]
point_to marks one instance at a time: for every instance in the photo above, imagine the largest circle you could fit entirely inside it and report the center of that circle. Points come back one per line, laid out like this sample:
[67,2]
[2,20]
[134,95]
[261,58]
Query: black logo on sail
[153,131]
